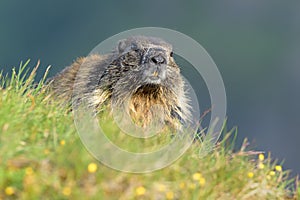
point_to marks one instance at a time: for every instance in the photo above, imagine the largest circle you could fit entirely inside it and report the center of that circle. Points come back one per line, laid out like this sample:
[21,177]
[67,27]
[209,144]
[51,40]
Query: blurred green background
[255,45]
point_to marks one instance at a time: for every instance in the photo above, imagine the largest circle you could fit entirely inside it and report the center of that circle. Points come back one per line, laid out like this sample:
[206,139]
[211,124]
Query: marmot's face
[149,61]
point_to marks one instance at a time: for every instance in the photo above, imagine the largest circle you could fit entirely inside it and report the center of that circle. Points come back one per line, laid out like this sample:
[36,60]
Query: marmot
[140,71]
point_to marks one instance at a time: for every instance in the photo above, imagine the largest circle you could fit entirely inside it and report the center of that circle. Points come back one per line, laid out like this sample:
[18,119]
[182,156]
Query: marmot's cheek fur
[140,75]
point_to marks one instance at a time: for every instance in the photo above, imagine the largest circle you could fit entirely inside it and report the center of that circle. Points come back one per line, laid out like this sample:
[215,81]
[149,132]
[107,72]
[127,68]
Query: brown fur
[141,71]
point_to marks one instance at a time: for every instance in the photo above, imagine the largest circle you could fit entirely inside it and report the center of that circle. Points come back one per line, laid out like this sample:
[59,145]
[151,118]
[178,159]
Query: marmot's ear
[121,46]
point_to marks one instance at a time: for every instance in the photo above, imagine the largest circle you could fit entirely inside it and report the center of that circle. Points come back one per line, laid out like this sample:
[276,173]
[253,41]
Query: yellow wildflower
[250,174]
[261,166]
[261,157]
[197,176]
[170,195]
[271,173]
[92,167]
[62,142]
[182,185]
[9,191]
[46,151]
[202,181]
[192,186]
[66,191]
[28,171]
[139,191]
[278,168]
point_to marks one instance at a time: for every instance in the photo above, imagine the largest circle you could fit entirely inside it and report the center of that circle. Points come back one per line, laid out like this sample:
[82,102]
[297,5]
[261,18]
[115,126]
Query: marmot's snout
[155,69]
[155,74]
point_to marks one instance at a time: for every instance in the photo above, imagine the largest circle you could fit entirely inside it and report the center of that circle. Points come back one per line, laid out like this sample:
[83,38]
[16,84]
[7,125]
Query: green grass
[42,157]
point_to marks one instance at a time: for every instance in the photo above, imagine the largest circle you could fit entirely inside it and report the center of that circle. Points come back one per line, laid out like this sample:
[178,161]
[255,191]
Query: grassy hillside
[42,157]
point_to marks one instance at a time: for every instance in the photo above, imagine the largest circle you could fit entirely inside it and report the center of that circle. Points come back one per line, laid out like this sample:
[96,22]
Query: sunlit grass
[41,157]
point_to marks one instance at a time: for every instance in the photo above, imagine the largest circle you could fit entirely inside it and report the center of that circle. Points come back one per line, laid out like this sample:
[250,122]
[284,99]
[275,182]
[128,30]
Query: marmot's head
[148,63]
[145,74]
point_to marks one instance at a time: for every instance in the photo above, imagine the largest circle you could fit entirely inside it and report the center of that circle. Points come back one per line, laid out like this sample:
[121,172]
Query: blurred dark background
[255,45]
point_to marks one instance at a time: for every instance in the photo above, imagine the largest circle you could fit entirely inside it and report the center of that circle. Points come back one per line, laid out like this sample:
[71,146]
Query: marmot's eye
[171,54]
[134,47]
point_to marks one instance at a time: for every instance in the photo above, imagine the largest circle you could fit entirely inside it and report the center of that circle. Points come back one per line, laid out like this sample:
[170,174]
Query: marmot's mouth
[153,80]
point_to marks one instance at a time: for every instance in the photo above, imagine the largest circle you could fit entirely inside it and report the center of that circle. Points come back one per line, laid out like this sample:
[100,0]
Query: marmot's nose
[159,59]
